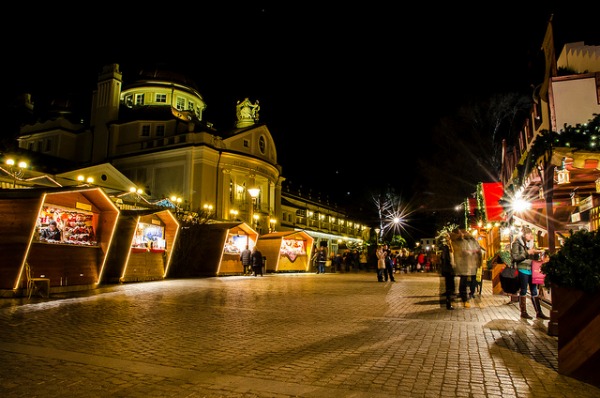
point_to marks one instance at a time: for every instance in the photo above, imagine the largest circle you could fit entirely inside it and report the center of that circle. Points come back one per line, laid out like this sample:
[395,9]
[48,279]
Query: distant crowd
[353,260]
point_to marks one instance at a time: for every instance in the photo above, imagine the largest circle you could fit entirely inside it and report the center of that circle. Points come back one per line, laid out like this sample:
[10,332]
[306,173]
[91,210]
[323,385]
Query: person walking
[420,261]
[522,251]
[467,257]
[337,262]
[257,262]
[389,265]
[320,258]
[246,259]
[363,261]
[381,254]
[447,269]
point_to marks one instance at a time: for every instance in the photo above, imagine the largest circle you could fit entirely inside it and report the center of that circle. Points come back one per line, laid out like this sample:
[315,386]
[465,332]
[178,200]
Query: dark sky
[350,94]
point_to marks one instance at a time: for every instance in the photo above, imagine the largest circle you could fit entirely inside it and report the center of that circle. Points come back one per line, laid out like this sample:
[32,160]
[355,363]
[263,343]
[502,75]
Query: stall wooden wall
[18,220]
[120,248]
[145,266]
[65,265]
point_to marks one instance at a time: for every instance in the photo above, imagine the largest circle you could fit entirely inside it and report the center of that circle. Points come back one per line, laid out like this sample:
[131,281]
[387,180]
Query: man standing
[321,258]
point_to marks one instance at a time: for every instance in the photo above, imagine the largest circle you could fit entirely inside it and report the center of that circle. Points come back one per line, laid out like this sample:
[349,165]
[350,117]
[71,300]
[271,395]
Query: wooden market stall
[143,246]
[287,251]
[211,249]
[86,217]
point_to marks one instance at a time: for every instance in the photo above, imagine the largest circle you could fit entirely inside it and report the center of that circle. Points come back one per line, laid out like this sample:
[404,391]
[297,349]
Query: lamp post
[137,192]
[16,171]
[255,217]
[254,192]
[377,230]
[177,200]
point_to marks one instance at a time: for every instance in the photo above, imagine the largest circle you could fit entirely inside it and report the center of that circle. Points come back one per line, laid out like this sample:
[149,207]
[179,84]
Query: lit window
[162,98]
[139,99]
[180,103]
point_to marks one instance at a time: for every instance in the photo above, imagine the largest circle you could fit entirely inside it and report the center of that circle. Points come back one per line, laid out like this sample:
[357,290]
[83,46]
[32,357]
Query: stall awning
[492,193]
[533,225]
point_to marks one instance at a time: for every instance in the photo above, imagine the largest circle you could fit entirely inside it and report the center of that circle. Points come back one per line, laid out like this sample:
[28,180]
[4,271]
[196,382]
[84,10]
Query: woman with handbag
[522,253]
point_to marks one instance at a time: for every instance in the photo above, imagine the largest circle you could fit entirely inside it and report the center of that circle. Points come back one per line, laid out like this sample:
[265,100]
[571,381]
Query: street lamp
[137,192]
[89,180]
[377,230]
[16,171]
[254,192]
[177,200]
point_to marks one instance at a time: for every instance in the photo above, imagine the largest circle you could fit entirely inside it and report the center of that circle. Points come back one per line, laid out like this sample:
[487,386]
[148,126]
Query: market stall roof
[284,234]
[583,167]
[492,193]
[536,216]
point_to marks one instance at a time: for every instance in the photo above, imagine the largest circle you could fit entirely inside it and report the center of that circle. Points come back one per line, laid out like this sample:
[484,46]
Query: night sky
[350,94]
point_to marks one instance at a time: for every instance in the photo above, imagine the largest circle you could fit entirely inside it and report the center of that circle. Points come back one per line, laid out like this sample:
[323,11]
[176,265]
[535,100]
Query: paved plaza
[286,335]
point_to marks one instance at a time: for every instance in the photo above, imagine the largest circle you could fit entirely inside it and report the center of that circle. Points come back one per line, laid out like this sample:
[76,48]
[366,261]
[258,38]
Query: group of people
[461,255]
[252,260]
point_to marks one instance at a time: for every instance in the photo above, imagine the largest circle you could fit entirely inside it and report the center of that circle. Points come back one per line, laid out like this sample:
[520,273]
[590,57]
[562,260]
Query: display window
[149,236]
[293,248]
[64,225]
[237,243]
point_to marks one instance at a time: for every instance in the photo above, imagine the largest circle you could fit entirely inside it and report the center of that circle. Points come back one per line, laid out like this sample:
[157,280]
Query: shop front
[143,246]
[211,249]
[61,236]
[286,251]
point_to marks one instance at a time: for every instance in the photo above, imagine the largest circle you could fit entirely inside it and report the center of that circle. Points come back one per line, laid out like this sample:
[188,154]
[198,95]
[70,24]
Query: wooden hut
[86,217]
[287,251]
[211,249]
[143,248]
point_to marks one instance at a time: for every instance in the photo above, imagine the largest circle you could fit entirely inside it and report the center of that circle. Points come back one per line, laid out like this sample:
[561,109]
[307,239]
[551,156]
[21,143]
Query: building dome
[162,73]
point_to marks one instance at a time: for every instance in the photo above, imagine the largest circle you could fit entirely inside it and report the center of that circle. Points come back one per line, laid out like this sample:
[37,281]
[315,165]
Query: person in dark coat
[447,269]
[257,261]
[246,259]
[52,232]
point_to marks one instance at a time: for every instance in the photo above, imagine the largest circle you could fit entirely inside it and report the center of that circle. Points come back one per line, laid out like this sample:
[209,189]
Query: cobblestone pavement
[285,335]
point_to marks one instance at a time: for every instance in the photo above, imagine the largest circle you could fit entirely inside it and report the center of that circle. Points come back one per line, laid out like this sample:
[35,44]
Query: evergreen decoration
[577,264]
